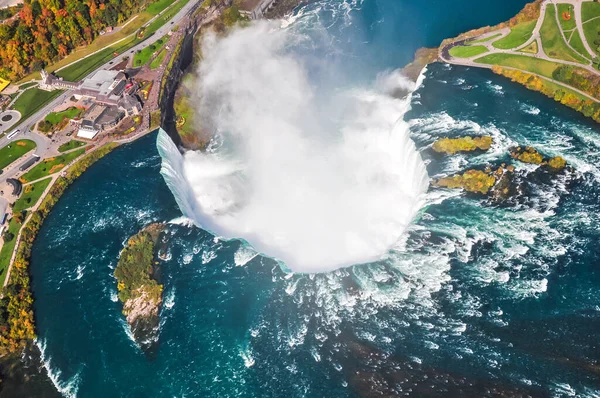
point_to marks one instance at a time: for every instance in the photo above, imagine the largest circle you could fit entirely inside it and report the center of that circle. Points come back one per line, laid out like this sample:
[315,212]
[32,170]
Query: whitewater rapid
[317,177]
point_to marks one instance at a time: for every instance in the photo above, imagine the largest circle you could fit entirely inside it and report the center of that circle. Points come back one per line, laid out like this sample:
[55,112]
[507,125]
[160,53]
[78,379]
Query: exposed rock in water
[532,156]
[138,287]
[450,146]
[475,181]
[527,155]
[495,183]
[423,57]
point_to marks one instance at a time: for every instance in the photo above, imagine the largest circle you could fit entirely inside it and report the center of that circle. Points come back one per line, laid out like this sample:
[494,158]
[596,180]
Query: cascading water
[317,177]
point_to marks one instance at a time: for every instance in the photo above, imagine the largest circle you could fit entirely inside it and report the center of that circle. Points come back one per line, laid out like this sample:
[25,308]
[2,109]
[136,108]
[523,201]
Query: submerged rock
[450,146]
[139,290]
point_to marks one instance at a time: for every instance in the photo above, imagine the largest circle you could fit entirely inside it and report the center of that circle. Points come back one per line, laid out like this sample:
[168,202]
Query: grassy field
[592,31]
[164,18]
[523,62]
[27,85]
[531,49]
[143,56]
[79,70]
[67,146]
[158,60]
[31,194]
[577,44]
[570,24]
[518,36]
[486,39]
[51,165]
[467,51]
[7,249]
[32,100]
[158,6]
[552,41]
[14,151]
[57,117]
[590,10]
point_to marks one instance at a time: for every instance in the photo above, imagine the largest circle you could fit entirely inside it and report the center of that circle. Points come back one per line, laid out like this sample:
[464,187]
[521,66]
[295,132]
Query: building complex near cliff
[255,9]
[110,93]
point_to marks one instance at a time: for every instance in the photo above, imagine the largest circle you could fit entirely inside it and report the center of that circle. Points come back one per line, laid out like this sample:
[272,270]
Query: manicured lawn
[14,151]
[141,57]
[27,85]
[156,7]
[590,10]
[79,70]
[67,146]
[486,39]
[51,165]
[467,51]
[158,60]
[32,100]
[164,18]
[518,36]
[592,32]
[31,194]
[552,41]
[577,44]
[531,49]
[523,62]
[570,24]
[7,249]
[58,117]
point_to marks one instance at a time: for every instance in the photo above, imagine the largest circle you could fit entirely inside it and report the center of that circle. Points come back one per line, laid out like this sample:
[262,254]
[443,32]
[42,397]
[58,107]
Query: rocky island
[139,290]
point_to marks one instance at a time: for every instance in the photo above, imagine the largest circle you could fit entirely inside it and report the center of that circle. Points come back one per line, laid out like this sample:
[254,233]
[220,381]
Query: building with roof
[50,82]
[255,9]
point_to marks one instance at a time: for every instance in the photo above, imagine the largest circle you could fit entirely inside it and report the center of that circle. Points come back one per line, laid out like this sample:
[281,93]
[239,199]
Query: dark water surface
[483,299]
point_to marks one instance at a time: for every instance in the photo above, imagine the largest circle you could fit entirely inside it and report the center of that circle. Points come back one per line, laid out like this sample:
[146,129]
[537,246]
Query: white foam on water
[243,255]
[530,109]
[337,198]
[68,388]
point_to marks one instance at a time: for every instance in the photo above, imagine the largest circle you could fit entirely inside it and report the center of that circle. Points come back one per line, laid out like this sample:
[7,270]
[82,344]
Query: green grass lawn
[590,10]
[523,62]
[13,151]
[141,57]
[592,32]
[51,165]
[518,36]
[156,7]
[7,249]
[58,117]
[531,49]
[570,24]
[164,18]
[467,51]
[31,194]
[486,39]
[577,44]
[27,85]
[80,69]
[67,146]
[158,60]
[32,100]
[552,41]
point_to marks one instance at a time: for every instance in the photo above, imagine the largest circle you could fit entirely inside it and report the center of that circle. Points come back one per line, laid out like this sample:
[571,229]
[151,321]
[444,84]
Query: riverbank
[532,49]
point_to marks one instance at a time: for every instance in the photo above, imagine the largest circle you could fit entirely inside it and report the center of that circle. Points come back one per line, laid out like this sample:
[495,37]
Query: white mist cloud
[318,177]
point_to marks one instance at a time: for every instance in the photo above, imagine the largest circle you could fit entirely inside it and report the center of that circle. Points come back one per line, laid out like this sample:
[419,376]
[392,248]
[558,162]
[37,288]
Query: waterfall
[317,178]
